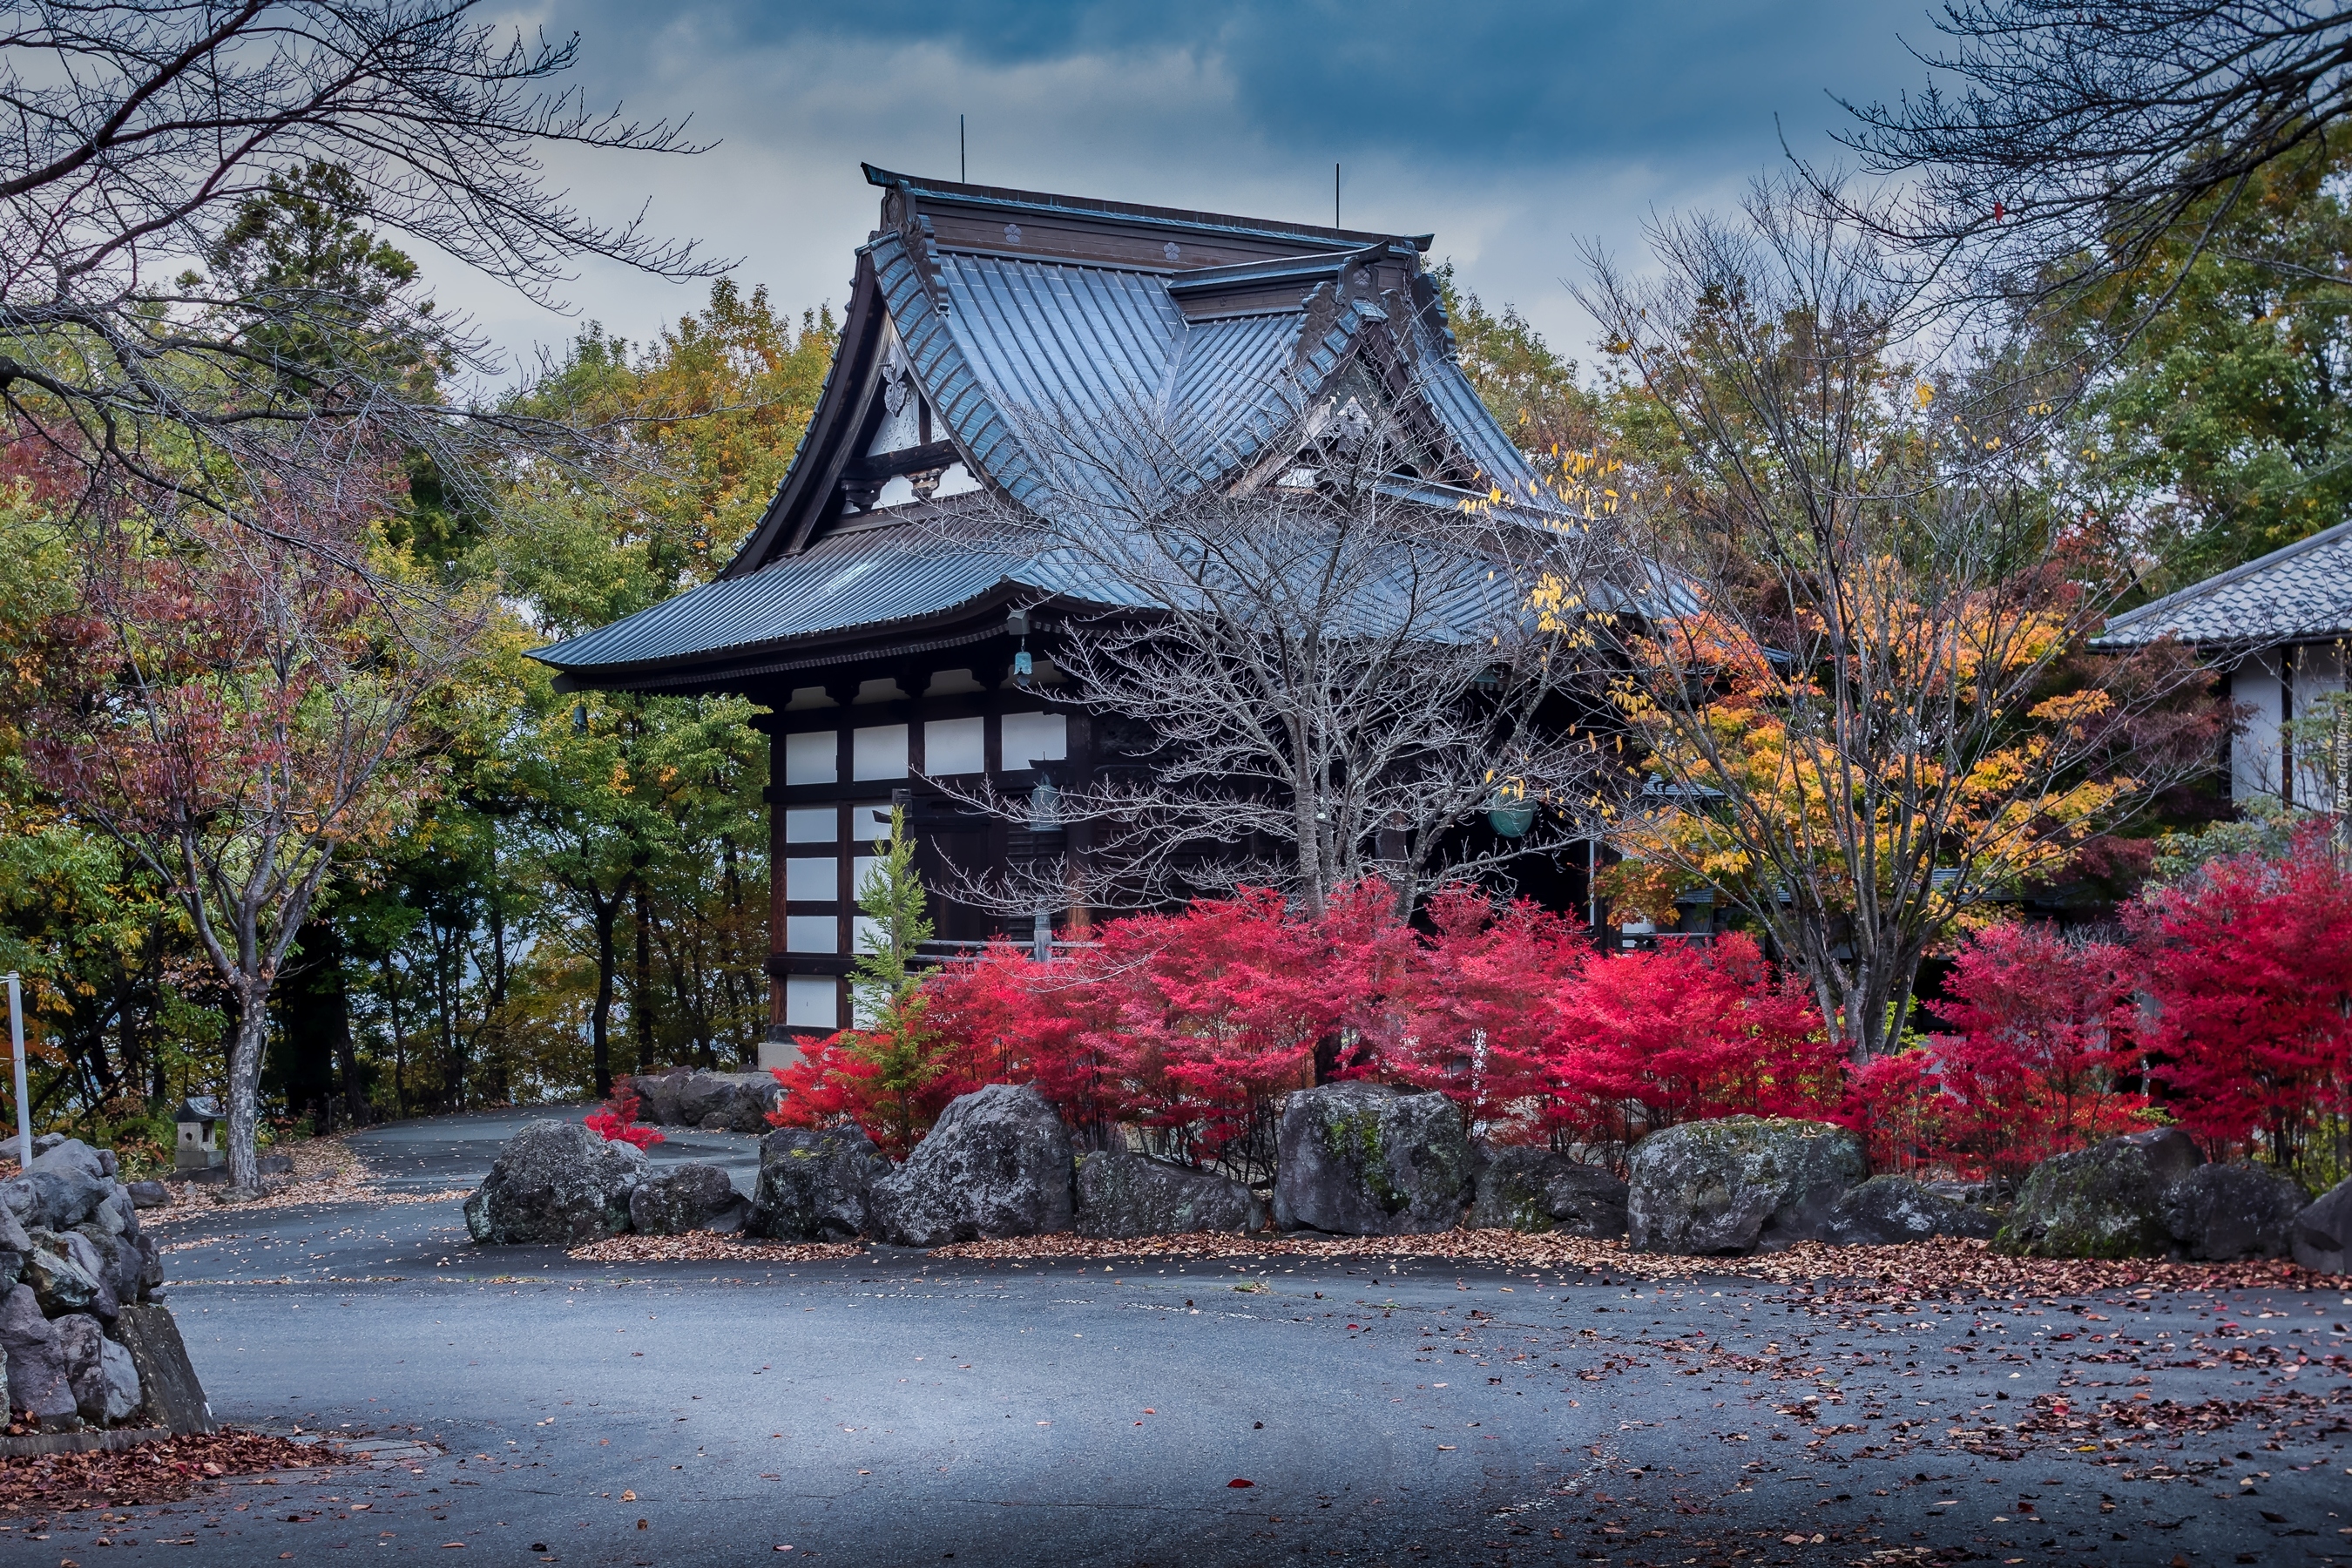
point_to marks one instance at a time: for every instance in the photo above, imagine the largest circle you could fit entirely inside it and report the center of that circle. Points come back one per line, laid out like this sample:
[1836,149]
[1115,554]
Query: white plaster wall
[2272,686]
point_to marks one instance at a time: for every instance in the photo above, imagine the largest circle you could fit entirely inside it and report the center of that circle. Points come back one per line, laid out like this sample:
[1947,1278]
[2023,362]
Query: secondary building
[2277,628]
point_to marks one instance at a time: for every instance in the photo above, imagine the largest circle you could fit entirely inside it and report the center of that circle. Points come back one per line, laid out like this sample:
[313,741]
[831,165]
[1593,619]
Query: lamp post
[23,1098]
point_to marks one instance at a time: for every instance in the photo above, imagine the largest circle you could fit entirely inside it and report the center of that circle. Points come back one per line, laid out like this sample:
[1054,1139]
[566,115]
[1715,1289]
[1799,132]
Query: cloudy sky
[1512,130]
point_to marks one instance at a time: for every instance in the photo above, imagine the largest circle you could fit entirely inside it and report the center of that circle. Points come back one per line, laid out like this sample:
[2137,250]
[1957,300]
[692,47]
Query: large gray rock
[727,1101]
[556,1183]
[2106,1201]
[105,1382]
[73,1154]
[149,1194]
[1535,1189]
[67,1276]
[117,1215]
[1886,1211]
[817,1184]
[715,1101]
[59,1190]
[656,1094]
[15,1247]
[38,1383]
[1123,1195]
[996,1164]
[1739,1184]
[172,1397]
[2322,1233]
[692,1197]
[1363,1159]
[122,1261]
[2221,1211]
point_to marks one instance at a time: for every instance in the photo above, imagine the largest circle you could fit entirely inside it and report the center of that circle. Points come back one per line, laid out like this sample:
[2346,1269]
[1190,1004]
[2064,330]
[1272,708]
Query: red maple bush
[2037,1061]
[615,1120]
[2247,967]
[1686,1033]
[2228,1008]
[1190,1027]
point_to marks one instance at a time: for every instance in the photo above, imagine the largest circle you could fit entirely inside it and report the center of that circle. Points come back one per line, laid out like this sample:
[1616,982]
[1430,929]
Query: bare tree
[1309,667]
[138,131]
[2083,135]
[1876,711]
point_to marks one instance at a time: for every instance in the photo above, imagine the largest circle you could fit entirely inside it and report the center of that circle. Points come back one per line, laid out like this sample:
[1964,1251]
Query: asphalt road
[892,1408]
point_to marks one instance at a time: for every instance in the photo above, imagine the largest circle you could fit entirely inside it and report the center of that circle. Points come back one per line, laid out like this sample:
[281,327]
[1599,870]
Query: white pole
[23,1098]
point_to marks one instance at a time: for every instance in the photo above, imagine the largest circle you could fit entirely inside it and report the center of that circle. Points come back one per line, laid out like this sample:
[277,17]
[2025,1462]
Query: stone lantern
[199,1119]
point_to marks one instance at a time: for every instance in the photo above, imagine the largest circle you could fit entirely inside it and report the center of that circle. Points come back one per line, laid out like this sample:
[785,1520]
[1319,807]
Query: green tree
[894,1038]
[2224,428]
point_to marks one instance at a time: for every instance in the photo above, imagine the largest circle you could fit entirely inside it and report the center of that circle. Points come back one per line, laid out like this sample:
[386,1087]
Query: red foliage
[2043,1041]
[1476,1007]
[1191,1026]
[616,1121]
[1209,1016]
[1647,1039]
[2248,969]
[1898,1102]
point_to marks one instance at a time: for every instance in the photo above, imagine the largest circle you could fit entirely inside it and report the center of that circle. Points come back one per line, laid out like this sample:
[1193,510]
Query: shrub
[1648,1040]
[2247,967]
[2042,1046]
[1188,1028]
[616,1123]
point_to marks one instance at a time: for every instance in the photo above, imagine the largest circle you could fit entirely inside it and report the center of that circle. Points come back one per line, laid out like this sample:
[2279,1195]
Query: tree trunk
[640,989]
[245,1084]
[399,1040]
[347,1062]
[600,1026]
[447,952]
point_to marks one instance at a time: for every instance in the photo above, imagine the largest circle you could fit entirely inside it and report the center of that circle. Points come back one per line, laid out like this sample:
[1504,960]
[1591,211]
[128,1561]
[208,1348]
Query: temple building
[886,662]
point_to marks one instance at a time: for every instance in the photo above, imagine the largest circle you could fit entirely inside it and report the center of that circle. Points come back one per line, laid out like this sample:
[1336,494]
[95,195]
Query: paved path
[894,1409]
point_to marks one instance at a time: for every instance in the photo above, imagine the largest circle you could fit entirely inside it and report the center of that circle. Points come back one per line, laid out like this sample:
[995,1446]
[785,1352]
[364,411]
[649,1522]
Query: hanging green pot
[1512,820]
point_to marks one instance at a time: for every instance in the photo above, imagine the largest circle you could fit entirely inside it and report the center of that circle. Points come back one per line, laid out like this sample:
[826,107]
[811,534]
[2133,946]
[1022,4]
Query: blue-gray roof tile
[2300,594]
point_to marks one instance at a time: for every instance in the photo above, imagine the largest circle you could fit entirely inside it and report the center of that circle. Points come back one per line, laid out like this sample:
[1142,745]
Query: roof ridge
[1011,199]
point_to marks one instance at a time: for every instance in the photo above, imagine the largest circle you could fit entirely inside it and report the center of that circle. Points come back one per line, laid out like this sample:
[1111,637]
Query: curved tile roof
[2300,594]
[1002,341]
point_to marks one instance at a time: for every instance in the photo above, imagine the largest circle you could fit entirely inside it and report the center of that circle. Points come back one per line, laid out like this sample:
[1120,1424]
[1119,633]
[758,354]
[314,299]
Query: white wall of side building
[2269,688]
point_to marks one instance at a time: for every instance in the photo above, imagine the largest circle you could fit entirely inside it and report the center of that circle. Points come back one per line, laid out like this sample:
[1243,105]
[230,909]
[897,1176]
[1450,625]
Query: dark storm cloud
[1495,83]
[1512,130]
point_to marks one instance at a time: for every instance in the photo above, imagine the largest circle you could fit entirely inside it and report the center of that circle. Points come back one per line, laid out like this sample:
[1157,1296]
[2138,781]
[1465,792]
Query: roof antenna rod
[1334,195]
[963,171]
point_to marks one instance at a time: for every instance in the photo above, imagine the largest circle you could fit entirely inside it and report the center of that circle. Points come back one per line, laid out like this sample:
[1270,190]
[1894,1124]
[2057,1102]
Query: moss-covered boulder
[1529,1189]
[2106,1201]
[817,1184]
[1739,1184]
[1364,1159]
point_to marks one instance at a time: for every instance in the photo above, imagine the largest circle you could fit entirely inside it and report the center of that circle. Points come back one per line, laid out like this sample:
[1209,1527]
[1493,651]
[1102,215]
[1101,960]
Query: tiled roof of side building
[2300,594]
